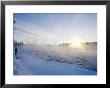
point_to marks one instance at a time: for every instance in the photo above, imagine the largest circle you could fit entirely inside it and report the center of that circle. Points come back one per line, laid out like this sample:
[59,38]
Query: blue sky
[64,27]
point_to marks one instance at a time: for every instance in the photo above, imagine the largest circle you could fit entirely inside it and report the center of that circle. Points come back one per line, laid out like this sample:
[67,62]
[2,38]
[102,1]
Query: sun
[76,43]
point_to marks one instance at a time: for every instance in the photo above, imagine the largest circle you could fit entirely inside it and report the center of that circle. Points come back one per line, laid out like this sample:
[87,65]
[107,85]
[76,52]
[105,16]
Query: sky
[55,27]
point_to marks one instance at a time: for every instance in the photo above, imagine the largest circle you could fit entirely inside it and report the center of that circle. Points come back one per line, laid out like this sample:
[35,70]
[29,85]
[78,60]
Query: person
[15,50]
[14,21]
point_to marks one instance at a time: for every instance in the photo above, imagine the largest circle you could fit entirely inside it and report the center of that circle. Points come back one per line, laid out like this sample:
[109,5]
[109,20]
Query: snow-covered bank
[53,60]
[32,65]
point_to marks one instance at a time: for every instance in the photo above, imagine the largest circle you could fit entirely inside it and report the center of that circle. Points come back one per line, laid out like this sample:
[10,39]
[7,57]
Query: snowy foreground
[54,60]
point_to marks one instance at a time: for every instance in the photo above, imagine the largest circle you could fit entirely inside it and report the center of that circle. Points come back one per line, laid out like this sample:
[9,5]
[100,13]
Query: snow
[54,60]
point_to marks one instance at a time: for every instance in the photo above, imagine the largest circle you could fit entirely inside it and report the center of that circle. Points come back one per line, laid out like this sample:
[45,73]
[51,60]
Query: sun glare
[76,44]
